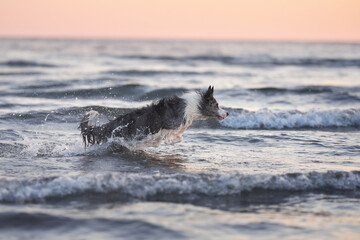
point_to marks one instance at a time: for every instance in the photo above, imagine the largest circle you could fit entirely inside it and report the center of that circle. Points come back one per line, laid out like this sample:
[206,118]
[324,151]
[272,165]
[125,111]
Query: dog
[162,121]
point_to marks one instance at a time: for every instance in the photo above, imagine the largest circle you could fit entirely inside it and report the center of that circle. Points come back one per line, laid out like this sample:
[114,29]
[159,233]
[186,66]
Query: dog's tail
[91,133]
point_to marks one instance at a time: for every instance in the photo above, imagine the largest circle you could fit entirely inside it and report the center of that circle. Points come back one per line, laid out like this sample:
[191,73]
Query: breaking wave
[238,118]
[267,119]
[166,186]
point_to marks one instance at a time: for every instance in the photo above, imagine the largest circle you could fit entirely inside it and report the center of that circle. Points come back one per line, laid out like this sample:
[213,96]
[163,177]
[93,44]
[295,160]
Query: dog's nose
[227,113]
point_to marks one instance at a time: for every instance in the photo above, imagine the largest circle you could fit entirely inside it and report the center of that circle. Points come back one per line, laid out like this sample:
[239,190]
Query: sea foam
[267,119]
[143,186]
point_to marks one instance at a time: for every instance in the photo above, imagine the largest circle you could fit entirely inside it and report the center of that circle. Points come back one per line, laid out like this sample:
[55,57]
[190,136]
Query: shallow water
[284,164]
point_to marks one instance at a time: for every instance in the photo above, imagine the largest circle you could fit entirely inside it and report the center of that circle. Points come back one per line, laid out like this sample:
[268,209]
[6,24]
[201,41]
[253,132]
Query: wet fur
[164,120]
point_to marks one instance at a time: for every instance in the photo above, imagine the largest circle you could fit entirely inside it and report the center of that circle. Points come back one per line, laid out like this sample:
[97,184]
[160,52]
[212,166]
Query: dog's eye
[217,105]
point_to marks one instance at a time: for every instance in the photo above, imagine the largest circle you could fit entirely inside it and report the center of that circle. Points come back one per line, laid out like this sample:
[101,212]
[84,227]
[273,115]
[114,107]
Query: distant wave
[23,63]
[140,92]
[133,92]
[345,94]
[267,119]
[129,91]
[166,186]
[299,90]
[19,73]
[159,93]
[330,92]
[262,60]
[135,72]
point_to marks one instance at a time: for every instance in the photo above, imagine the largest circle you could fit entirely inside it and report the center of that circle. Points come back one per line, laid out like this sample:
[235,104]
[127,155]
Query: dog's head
[209,107]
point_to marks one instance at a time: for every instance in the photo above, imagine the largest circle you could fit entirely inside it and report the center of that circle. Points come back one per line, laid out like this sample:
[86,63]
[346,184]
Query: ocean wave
[238,118]
[148,73]
[69,115]
[23,63]
[328,92]
[260,61]
[129,91]
[19,73]
[267,119]
[10,150]
[28,223]
[160,93]
[300,90]
[145,186]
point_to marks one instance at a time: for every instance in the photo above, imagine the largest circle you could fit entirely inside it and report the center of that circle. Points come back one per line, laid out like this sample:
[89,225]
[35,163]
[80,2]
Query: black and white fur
[163,121]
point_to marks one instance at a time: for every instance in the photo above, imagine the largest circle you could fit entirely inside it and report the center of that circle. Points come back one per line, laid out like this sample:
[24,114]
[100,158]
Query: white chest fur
[168,136]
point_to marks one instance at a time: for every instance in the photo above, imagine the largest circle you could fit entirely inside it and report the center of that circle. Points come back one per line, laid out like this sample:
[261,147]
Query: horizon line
[185,39]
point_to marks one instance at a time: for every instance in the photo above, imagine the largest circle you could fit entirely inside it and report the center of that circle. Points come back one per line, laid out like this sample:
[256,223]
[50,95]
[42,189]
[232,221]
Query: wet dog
[163,121]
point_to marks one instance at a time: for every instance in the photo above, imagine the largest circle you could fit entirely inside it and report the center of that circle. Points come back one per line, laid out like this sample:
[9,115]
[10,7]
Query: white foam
[141,186]
[268,119]
[43,147]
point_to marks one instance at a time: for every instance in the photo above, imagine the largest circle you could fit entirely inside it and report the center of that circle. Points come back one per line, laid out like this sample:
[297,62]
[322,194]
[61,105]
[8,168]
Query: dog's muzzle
[222,114]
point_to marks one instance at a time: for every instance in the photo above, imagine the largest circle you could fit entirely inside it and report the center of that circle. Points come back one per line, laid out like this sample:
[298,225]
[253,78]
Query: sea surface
[284,165]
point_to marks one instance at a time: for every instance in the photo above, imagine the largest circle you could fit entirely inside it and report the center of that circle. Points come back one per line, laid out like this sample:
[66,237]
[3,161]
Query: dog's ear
[209,92]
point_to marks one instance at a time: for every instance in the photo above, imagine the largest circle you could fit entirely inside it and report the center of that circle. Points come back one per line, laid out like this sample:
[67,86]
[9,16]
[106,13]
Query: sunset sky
[295,20]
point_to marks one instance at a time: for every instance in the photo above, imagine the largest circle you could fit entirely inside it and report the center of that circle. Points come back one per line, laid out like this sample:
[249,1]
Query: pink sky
[309,20]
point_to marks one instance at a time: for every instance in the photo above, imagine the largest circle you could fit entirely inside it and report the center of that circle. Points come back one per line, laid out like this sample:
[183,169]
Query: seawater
[285,163]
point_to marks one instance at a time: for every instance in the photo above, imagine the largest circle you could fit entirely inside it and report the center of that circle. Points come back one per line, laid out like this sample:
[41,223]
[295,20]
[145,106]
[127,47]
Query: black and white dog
[163,121]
